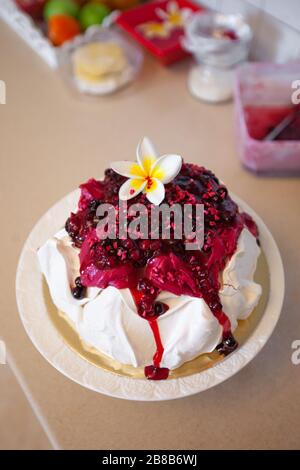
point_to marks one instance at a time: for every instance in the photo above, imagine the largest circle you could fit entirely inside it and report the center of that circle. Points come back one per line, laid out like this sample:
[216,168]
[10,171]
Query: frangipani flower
[153,29]
[174,16]
[148,174]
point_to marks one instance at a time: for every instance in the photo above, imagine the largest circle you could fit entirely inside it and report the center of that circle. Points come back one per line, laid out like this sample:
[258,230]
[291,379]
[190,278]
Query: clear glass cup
[216,55]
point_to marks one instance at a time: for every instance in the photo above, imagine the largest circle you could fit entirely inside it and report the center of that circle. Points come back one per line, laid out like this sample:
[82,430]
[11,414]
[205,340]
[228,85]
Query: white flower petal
[186,13]
[156,193]
[162,14]
[146,154]
[131,188]
[173,7]
[166,168]
[128,169]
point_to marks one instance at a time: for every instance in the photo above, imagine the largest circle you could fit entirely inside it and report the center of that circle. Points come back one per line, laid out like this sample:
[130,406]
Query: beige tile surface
[51,142]
[19,428]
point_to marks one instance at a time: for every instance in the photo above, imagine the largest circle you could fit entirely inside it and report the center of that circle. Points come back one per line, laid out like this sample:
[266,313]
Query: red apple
[34,8]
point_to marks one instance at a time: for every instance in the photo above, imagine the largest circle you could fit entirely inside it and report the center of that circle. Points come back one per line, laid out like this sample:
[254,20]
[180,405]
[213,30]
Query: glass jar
[219,43]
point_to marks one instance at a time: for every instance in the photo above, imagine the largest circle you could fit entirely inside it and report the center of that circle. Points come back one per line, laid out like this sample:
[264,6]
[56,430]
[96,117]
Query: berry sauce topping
[78,291]
[149,266]
[228,345]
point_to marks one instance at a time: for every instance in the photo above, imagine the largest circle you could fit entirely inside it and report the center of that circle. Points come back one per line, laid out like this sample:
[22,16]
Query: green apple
[92,14]
[60,7]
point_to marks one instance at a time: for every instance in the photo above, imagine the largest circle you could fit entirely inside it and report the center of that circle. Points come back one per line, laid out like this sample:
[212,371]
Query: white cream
[107,319]
[59,262]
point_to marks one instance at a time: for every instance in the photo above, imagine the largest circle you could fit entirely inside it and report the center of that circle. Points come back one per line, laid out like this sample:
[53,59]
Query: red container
[167,49]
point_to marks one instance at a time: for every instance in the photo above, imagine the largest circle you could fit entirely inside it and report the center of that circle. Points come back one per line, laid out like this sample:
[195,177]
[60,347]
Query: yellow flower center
[175,19]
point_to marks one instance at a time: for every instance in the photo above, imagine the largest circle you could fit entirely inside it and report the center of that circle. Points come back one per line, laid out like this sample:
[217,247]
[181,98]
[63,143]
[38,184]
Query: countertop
[51,141]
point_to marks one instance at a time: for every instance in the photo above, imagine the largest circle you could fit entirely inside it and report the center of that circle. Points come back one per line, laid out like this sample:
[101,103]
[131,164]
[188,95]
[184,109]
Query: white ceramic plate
[36,320]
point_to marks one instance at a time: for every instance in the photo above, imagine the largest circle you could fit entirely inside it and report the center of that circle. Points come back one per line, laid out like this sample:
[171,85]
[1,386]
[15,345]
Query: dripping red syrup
[144,296]
[147,267]
[155,372]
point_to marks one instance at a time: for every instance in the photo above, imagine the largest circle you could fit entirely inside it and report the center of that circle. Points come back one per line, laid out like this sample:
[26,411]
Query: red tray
[167,49]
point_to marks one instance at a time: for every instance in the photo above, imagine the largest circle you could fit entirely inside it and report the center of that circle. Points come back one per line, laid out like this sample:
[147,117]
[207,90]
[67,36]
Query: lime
[92,13]
[60,7]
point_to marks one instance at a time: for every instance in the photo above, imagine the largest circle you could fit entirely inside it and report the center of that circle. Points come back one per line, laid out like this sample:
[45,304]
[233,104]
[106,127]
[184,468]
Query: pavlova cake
[144,299]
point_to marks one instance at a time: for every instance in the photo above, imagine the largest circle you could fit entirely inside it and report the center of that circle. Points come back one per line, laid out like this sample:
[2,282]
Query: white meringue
[108,321]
